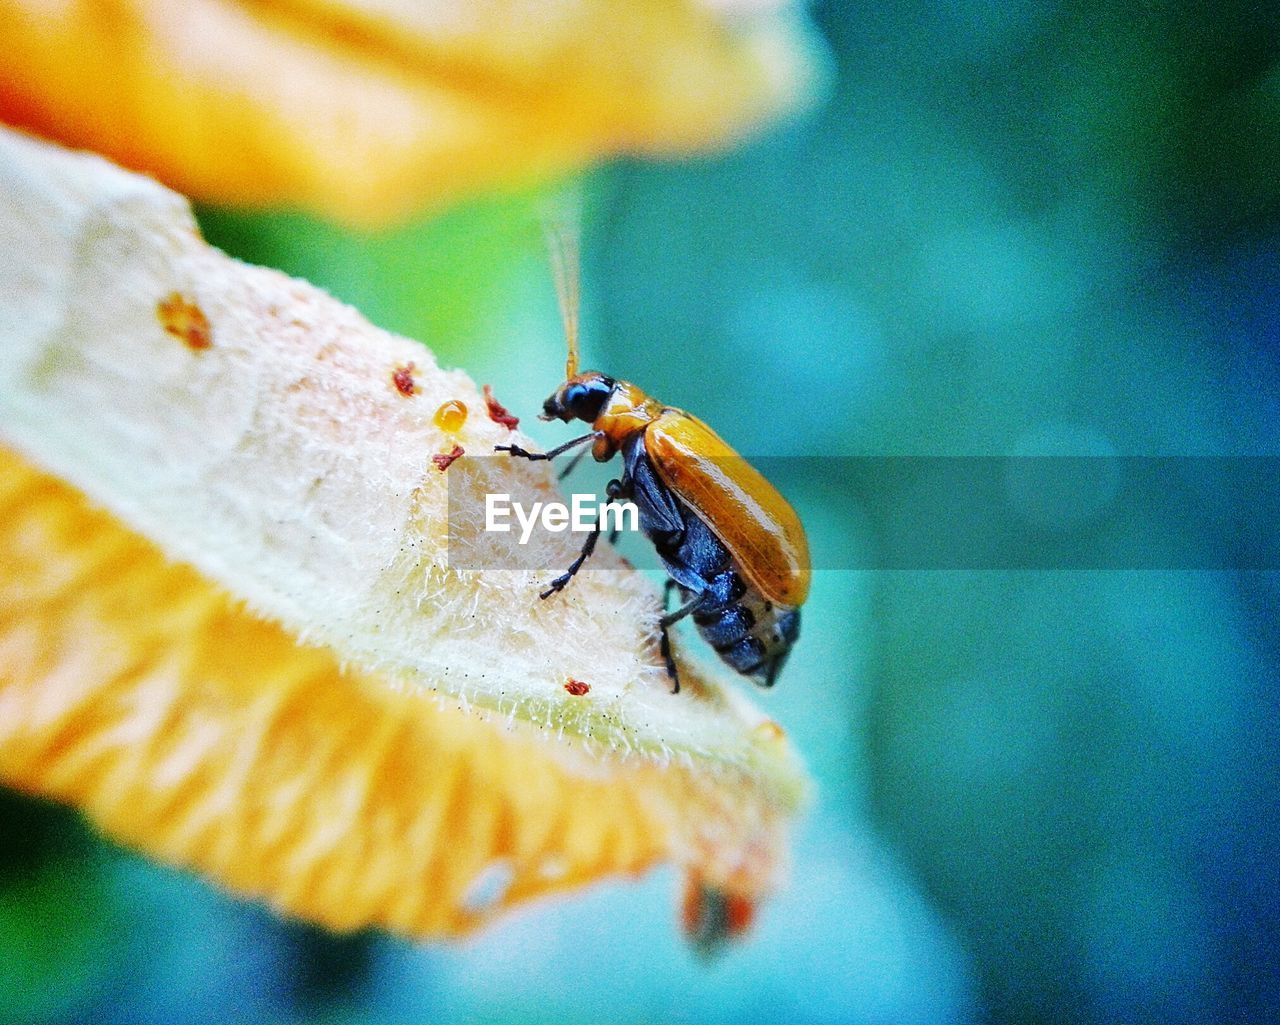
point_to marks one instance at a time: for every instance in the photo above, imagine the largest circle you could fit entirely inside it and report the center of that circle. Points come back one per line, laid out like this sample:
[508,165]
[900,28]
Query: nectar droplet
[451,416]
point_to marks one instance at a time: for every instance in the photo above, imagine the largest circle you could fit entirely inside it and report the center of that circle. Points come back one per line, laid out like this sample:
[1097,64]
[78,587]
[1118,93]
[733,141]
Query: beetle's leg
[559,583]
[572,464]
[516,450]
[692,605]
[667,621]
[615,489]
[664,645]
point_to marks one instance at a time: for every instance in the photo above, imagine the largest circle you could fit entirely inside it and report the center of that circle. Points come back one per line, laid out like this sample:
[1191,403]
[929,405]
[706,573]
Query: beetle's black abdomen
[749,633]
[752,635]
[760,651]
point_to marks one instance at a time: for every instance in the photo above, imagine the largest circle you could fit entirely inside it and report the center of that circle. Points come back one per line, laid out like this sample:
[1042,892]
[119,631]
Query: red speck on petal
[499,413]
[445,459]
[402,378]
[576,687]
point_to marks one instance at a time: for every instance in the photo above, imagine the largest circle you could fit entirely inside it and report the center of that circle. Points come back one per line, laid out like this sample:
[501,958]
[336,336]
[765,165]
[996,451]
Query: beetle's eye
[585,399]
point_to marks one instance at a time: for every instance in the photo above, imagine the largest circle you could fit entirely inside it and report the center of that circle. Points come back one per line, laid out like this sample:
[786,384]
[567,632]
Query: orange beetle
[730,543]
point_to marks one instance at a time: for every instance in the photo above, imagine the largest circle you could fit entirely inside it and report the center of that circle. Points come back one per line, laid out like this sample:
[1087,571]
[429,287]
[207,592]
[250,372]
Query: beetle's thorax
[627,411]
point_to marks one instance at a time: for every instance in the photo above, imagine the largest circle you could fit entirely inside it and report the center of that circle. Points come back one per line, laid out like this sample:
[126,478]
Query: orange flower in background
[230,633]
[369,110]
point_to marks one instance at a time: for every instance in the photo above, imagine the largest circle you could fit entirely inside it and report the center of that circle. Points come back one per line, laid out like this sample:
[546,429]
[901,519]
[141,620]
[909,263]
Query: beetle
[731,545]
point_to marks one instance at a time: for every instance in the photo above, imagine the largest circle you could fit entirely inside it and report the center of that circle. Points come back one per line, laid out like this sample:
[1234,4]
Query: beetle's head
[582,397]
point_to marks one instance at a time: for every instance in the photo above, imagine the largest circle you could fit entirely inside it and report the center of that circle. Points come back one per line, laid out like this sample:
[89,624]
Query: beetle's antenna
[561,229]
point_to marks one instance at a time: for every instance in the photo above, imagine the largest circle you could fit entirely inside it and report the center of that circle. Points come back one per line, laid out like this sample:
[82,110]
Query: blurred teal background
[1044,796]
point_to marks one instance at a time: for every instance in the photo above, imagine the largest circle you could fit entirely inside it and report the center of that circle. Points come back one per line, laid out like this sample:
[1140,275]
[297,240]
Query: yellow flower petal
[368,111]
[281,446]
[134,689]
